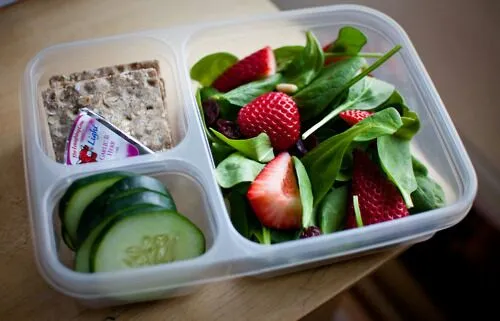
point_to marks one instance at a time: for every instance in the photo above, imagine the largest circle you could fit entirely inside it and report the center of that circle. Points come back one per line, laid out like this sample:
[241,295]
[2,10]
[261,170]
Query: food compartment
[436,144]
[130,81]
[168,275]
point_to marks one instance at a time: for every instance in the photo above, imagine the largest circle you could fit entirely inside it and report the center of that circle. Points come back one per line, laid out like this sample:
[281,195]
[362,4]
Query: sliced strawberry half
[353,116]
[274,195]
[379,199]
[259,64]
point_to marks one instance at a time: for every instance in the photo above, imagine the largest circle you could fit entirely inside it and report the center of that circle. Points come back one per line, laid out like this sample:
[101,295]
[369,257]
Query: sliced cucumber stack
[121,220]
[80,194]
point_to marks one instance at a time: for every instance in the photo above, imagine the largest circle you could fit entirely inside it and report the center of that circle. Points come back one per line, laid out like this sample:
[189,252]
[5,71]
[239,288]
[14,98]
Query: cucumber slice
[127,200]
[82,257]
[146,238]
[66,240]
[81,193]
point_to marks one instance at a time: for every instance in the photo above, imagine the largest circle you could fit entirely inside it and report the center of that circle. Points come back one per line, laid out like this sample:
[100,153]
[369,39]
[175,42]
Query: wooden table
[28,27]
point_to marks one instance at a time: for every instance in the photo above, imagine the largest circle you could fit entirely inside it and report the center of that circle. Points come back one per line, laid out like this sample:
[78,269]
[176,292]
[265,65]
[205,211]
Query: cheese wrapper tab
[93,139]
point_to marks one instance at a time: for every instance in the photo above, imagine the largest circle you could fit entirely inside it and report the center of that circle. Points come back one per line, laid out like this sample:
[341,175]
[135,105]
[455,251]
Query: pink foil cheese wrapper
[93,139]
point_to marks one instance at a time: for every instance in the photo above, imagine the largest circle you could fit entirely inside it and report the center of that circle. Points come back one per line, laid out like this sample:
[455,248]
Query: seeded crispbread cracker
[132,100]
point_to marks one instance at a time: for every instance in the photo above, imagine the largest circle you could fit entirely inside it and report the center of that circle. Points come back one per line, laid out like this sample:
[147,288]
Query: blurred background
[450,276]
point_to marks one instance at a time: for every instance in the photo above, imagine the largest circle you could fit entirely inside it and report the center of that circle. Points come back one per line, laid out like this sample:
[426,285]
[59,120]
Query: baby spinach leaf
[257,148]
[323,162]
[349,41]
[305,66]
[280,236]
[333,81]
[244,94]
[241,188]
[306,197]
[330,82]
[208,68]
[285,55]
[332,210]
[428,196]
[219,151]
[207,93]
[242,216]
[239,213]
[418,167]
[236,169]
[395,159]
[367,94]
[411,124]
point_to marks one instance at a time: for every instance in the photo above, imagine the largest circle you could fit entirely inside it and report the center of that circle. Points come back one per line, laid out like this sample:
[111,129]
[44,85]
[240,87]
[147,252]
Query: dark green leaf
[330,82]
[367,94]
[244,94]
[219,151]
[280,236]
[239,214]
[349,41]
[332,210]
[207,69]
[242,216]
[428,196]
[236,169]
[257,148]
[241,188]
[395,159]
[285,55]
[306,197]
[208,92]
[305,66]
[411,124]
[418,167]
[324,162]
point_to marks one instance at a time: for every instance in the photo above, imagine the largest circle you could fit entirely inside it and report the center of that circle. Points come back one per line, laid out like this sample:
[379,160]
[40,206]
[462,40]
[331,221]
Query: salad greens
[331,81]
[350,41]
[324,161]
[306,65]
[206,70]
[306,196]
[258,148]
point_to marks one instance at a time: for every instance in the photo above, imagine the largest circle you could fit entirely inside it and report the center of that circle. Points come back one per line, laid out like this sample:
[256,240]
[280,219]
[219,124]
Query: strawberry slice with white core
[274,195]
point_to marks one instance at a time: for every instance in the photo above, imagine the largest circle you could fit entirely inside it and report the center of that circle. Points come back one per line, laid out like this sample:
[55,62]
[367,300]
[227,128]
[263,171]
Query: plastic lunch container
[187,169]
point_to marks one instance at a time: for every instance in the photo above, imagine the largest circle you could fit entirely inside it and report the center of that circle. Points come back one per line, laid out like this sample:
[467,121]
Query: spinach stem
[357,211]
[354,80]
[359,54]
[266,235]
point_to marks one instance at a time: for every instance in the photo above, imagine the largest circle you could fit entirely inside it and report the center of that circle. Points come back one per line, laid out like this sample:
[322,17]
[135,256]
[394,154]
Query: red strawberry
[379,199]
[274,195]
[259,64]
[353,116]
[275,114]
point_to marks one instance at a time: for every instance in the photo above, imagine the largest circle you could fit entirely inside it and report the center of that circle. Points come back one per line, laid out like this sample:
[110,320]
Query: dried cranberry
[211,111]
[310,231]
[228,128]
[299,149]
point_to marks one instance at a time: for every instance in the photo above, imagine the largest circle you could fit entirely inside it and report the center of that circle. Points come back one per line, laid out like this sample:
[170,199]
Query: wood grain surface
[26,28]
